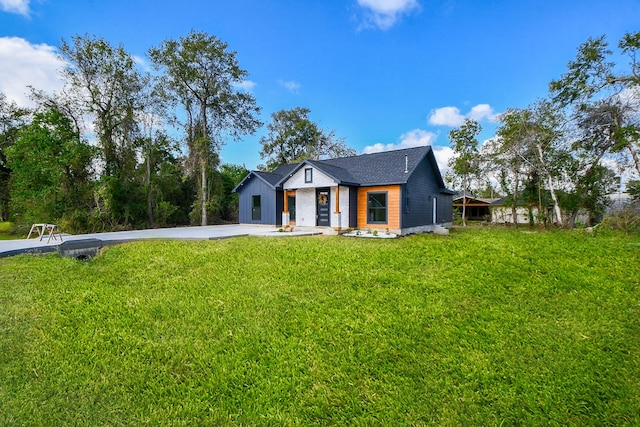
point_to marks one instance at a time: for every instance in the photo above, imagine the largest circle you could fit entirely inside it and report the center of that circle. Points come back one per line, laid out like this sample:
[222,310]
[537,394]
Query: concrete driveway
[212,232]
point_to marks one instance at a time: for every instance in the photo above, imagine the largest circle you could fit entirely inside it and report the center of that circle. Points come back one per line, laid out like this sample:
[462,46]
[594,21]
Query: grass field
[484,327]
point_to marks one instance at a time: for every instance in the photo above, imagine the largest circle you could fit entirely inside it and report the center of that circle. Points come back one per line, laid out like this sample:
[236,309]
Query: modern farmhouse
[400,190]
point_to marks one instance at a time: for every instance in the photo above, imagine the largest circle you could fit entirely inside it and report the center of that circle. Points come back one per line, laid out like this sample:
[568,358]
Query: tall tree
[465,162]
[508,156]
[204,76]
[593,82]
[293,137]
[106,83]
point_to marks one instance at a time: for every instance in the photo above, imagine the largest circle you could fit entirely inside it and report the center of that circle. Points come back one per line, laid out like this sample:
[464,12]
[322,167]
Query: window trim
[308,175]
[386,207]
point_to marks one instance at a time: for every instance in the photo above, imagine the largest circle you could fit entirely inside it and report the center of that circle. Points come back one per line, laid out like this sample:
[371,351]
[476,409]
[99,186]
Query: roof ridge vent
[406,163]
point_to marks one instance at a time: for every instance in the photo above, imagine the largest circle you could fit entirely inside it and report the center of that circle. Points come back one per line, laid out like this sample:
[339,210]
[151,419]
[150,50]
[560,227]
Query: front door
[323,210]
[291,203]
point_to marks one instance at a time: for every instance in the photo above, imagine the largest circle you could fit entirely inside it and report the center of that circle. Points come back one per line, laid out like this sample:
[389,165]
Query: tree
[510,158]
[537,131]
[104,82]
[202,75]
[107,85]
[593,84]
[51,172]
[633,188]
[12,119]
[293,137]
[465,162]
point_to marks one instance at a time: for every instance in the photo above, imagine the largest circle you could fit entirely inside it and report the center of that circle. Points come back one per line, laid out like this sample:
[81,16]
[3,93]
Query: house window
[377,208]
[308,175]
[256,214]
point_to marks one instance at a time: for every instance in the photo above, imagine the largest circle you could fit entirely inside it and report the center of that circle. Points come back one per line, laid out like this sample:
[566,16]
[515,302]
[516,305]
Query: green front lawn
[483,327]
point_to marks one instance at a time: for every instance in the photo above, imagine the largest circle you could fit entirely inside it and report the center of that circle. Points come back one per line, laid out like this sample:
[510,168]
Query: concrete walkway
[212,232]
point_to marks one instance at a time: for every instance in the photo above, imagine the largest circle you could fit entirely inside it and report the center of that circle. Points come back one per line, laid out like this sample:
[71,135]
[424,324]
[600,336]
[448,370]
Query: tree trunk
[204,189]
[149,192]
[634,156]
[514,208]
[556,205]
[464,207]
[204,152]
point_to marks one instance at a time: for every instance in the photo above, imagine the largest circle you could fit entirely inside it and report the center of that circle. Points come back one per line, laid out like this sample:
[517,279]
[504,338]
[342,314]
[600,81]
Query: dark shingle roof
[383,168]
[387,167]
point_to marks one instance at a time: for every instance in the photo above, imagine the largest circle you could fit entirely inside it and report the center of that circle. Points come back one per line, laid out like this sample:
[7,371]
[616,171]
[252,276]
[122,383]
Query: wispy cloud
[383,14]
[245,85]
[452,117]
[291,86]
[25,64]
[142,63]
[416,138]
[15,6]
[413,138]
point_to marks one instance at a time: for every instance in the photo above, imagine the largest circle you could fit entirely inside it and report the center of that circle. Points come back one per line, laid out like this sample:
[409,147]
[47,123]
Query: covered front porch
[322,208]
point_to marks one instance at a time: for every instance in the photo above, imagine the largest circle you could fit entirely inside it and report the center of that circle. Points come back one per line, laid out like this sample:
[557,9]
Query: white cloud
[291,86]
[25,64]
[383,14]
[481,112]
[15,6]
[413,138]
[451,116]
[446,116]
[443,155]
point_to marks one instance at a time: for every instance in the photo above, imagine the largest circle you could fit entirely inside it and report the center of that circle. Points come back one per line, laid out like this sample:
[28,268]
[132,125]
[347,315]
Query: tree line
[119,148]
[567,150]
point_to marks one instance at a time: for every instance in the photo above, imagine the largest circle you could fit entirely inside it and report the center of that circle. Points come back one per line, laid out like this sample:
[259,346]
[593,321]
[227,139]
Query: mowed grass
[483,327]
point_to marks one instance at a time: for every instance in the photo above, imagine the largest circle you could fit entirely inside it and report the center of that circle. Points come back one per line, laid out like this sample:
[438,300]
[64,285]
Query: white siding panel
[306,207]
[344,207]
[297,180]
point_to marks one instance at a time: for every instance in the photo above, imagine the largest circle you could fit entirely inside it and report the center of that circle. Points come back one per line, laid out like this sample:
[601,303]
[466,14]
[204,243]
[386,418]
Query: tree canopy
[292,137]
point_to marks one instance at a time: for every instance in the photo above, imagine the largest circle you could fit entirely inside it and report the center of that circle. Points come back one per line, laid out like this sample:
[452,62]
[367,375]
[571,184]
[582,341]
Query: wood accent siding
[393,206]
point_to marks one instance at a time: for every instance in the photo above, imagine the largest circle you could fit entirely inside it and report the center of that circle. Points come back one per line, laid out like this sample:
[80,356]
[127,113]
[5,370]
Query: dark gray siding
[257,187]
[353,207]
[417,198]
[279,207]
[445,208]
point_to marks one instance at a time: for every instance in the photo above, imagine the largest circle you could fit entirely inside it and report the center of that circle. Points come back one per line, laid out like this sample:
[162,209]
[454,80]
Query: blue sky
[382,74]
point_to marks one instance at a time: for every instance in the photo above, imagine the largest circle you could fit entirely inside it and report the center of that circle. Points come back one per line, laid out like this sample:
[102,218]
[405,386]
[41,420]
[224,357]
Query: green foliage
[533,329]
[201,73]
[293,137]
[231,176]
[12,119]
[5,228]
[51,170]
[633,188]
[466,160]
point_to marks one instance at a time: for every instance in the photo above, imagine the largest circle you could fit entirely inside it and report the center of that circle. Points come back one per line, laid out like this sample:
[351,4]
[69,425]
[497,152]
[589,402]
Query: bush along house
[401,191]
